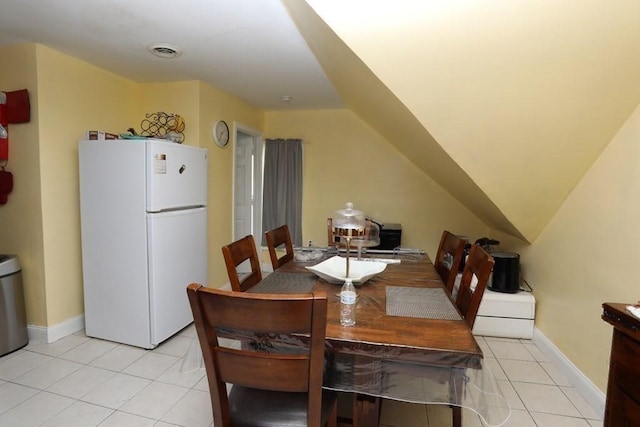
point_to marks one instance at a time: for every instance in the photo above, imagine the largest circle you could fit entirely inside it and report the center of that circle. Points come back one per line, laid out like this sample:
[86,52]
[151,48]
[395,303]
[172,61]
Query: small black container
[506,272]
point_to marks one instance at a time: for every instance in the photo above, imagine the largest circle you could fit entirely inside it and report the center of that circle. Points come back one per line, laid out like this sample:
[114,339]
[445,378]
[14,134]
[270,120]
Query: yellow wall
[41,222]
[216,105]
[345,160]
[172,98]
[73,97]
[588,253]
[21,217]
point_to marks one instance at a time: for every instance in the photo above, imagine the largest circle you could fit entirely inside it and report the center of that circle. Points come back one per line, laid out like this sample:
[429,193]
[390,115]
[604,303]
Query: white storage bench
[504,315]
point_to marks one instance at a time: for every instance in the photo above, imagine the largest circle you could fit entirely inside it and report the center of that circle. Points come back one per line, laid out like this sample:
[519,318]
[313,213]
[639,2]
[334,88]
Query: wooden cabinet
[623,390]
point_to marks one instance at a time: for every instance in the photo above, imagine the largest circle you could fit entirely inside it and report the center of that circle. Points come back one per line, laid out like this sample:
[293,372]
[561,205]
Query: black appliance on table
[390,236]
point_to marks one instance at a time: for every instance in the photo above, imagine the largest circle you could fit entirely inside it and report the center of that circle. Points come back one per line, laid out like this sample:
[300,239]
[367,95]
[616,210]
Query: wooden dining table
[409,341]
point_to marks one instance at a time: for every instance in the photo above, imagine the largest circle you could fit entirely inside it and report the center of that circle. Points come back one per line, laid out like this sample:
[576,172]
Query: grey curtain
[282,193]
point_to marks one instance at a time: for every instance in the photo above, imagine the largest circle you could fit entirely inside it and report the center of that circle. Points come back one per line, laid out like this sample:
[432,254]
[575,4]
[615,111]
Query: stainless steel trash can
[13,318]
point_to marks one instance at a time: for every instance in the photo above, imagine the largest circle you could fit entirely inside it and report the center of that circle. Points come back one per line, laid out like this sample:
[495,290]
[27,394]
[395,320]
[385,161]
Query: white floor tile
[151,365]
[58,347]
[525,371]
[81,382]
[513,349]
[189,331]
[543,398]
[21,363]
[174,376]
[80,414]
[36,410]
[555,374]
[193,410]
[120,419]
[154,400]
[88,351]
[510,394]
[116,391]
[48,373]
[496,369]
[119,357]
[13,394]
[537,354]
[176,346]
[203,384]
[581,404]
[519,418]
[549,420]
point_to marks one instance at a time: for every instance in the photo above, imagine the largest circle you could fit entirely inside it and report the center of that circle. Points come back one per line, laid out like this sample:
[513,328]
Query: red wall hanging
[14,108]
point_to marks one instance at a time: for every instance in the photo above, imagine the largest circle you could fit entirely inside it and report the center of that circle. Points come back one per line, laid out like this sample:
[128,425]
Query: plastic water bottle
[348,304]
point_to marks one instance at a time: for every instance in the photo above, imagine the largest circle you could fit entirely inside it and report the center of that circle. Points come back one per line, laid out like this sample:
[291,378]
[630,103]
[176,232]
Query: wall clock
[220,133]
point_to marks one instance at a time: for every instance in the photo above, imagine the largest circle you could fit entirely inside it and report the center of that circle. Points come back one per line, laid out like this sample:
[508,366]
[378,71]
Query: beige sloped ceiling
[504,104]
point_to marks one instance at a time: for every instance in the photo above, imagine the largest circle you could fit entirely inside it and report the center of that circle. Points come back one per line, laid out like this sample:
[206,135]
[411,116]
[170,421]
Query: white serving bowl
[333,269]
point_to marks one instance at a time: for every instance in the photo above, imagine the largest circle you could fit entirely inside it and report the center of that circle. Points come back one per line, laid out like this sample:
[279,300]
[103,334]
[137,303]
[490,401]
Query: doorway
[247,183]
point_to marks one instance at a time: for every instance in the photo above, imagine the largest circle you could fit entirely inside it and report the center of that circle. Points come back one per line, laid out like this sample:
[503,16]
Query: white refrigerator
[143,206]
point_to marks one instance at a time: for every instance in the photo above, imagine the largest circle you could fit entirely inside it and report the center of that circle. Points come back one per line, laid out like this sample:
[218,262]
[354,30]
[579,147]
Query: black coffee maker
[505,276]
[506,272]
[485,243]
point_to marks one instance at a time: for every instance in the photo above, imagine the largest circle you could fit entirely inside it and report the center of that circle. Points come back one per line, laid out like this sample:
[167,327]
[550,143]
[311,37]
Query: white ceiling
[249,48]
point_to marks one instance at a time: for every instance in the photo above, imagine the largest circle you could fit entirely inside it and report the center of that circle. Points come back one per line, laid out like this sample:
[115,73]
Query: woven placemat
[425,303]
[285,283]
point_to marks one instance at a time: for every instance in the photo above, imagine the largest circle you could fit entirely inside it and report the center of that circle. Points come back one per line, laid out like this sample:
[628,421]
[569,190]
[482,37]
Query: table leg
[456,390]
[366,410]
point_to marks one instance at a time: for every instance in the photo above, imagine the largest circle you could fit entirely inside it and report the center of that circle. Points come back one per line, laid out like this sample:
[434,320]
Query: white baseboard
[54,333]
[583,385]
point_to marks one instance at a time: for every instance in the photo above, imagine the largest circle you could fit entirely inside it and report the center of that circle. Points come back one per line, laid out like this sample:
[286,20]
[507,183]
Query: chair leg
[366,410]
[333,417]
[456,415]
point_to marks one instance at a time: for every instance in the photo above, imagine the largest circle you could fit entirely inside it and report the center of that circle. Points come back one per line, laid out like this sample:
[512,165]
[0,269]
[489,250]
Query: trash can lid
[8,265]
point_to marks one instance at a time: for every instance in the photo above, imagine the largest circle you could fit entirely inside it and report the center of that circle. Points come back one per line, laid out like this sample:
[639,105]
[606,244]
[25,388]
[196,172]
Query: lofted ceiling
[505,104]
[248,48]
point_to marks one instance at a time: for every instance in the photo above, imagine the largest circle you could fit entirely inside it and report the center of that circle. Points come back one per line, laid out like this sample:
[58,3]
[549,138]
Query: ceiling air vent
[164,50]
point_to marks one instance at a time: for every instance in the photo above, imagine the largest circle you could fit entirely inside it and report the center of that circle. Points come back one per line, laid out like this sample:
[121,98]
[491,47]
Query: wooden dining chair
[268,388]
[473,283]
[448,258]
[237,253]
[278,239]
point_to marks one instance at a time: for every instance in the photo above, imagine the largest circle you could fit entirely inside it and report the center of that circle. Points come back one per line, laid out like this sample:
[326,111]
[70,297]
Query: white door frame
[258,149]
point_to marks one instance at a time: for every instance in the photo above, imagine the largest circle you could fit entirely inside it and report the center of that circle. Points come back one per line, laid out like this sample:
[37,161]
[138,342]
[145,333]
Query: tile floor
[80,381]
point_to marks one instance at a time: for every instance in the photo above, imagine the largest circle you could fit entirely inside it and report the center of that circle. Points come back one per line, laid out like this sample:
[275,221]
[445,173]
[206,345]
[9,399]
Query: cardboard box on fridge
[99,135]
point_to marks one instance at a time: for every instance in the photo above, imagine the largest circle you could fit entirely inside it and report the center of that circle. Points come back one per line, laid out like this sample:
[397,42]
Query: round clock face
[220,133]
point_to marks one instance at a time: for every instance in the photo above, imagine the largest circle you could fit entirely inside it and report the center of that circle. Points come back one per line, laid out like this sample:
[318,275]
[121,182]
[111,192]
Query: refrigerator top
[157,174]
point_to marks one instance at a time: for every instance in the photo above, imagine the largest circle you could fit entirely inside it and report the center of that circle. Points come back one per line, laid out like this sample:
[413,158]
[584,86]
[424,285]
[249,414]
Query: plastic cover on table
[432,380]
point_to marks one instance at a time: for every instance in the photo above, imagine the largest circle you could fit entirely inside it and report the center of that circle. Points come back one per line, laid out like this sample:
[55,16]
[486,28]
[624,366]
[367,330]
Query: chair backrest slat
[448,258]
[277,238]
[236,253]
[478,265]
